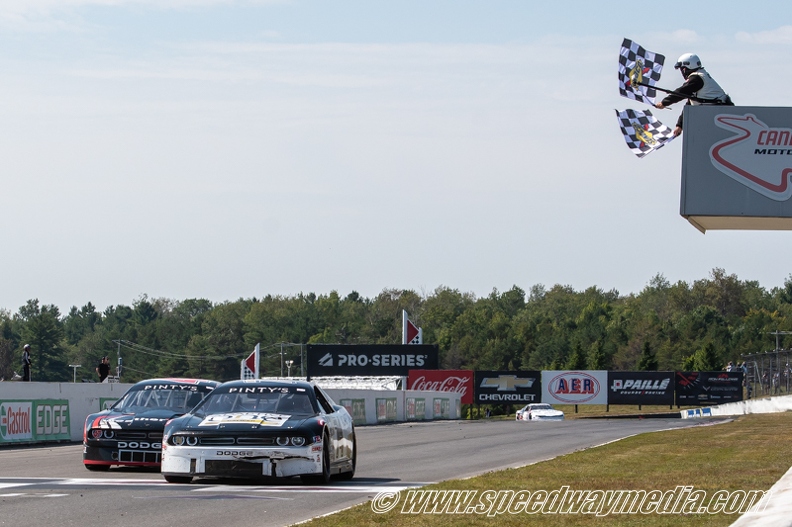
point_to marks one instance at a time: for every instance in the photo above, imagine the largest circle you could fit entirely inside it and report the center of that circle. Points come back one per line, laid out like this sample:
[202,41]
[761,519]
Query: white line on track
[204,488]
[352,490]
[13,485]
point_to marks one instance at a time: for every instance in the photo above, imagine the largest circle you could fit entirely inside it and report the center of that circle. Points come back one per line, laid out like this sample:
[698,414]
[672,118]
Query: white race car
[260,428]
[539,411]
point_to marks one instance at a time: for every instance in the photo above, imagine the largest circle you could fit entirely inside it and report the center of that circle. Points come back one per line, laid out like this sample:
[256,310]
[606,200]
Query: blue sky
[222,149]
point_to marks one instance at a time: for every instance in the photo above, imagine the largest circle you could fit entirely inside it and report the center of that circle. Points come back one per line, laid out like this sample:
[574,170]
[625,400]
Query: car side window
[323,402]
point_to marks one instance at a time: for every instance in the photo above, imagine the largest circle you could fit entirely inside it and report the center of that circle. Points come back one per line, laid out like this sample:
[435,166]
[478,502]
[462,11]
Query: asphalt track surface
[48,485]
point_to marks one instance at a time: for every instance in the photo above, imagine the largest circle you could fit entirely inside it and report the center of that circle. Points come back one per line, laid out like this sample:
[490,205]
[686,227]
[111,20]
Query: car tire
[346,476]
[178,479]
[98,468]
[324,477]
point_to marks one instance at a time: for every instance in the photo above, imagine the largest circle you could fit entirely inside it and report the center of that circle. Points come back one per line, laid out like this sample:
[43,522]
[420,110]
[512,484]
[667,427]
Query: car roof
[268,382]
[181,381]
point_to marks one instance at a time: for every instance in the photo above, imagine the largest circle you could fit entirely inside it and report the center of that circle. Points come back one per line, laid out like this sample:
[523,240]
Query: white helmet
[688,61]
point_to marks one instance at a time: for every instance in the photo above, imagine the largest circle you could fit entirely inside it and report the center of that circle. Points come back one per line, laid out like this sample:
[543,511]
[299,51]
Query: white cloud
[781,35]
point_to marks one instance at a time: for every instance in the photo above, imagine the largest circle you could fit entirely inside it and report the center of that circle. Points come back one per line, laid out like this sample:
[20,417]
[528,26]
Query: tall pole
[281,359]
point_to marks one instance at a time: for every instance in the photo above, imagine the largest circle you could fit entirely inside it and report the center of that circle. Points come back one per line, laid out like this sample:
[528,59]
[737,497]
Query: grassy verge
[747,454]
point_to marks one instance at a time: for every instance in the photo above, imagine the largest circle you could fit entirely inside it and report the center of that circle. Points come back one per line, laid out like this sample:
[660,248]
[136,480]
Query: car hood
[547,413]
[242,421]
[154,419]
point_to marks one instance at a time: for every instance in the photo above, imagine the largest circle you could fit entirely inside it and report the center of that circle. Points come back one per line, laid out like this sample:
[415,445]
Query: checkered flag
[636,65]
[644,134]
[249,367]
[411,334]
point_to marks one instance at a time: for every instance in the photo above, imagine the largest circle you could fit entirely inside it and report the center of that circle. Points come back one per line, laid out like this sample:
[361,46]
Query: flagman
[699,88]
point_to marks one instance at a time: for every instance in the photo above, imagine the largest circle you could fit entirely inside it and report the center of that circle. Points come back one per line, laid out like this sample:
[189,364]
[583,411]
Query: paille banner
[641,387]
[34,421]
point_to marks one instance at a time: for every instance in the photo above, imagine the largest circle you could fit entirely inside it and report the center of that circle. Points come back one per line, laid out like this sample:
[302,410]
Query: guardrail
[37,412]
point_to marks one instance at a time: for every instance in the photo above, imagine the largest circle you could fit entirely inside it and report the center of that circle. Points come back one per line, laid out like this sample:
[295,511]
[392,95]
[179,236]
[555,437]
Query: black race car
[261,429]
[130,432]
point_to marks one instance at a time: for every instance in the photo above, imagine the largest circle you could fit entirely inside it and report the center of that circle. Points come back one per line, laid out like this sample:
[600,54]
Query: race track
[48,485]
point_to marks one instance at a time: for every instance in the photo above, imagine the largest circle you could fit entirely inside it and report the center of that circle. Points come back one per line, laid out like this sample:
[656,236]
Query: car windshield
[541,407]
[174,398]
[280,400]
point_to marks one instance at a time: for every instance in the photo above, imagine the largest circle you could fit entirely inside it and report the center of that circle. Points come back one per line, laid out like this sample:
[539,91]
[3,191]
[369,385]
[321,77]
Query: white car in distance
[539,412]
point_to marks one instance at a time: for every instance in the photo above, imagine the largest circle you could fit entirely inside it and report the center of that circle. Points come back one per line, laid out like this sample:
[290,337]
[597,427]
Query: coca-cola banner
[454,381]
[508,387]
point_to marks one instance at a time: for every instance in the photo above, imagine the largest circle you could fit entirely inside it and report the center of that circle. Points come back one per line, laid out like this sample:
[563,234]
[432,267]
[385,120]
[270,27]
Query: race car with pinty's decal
[258,429]
[129,433]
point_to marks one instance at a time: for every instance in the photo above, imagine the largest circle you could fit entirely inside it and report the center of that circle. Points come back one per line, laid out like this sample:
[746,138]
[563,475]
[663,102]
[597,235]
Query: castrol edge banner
[453,381]
[34,420]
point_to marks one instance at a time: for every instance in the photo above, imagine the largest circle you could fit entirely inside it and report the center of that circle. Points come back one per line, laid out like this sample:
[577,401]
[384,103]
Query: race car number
[250,418]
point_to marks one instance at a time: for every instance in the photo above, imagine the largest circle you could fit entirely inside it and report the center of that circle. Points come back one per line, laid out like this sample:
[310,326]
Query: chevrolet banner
[507,387]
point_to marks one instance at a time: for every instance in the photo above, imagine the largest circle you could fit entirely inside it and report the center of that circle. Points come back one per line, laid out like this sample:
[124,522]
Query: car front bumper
[245,462]
[134,455]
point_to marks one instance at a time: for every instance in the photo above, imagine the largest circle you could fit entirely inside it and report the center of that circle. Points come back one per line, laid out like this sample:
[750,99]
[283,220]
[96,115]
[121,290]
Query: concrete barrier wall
[382,406]
[83,399]
[768,405]
[45,401]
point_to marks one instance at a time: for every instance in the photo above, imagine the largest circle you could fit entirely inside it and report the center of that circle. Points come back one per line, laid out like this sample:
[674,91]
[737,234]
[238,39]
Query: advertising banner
[708,387]
[442,408]
[507,387]
[641,387]
[356,408]
[575,387]
[416,409]
[33,421]
[386,409]
[454,381]
[736,166]
[325,360]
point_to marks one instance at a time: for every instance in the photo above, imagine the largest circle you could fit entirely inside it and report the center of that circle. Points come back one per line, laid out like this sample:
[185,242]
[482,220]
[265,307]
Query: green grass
[748,453]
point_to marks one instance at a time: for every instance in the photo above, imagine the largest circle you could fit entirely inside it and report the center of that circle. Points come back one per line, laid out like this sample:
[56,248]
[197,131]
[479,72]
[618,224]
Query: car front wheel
[324,477]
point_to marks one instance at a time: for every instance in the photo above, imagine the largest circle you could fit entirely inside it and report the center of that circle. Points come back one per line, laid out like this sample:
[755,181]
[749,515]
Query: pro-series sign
[369,360]
[508,387]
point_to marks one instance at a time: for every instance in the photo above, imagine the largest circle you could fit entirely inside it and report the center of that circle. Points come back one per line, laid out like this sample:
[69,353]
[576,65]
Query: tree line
[690,326]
